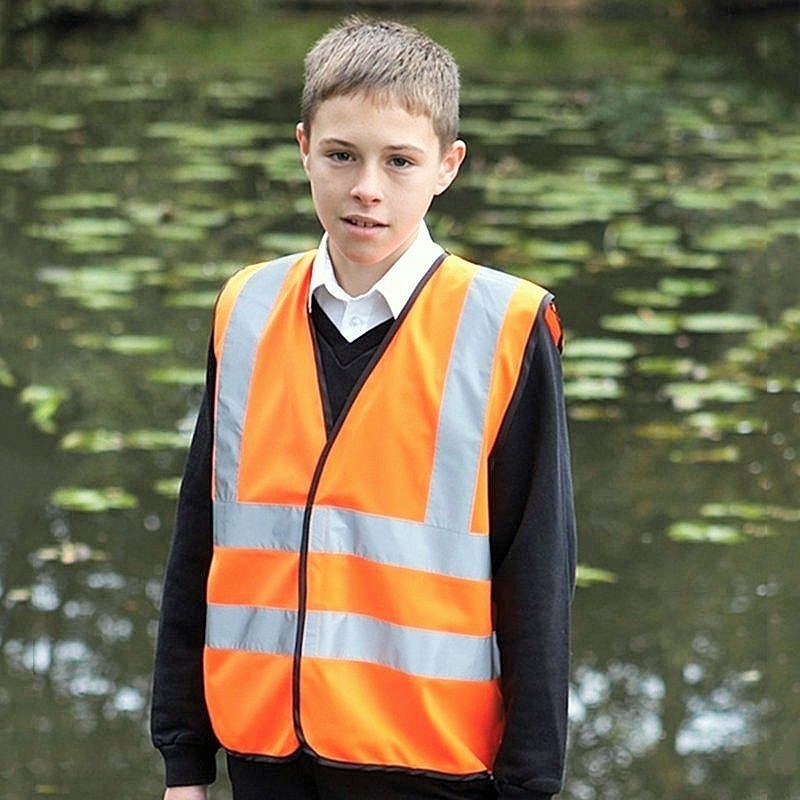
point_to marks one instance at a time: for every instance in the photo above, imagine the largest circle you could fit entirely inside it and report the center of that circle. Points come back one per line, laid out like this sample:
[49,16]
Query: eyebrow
[331,140]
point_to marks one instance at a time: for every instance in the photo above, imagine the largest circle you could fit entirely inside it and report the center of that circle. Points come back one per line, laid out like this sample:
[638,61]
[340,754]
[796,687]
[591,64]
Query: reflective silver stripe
[354,637]
[257,630]
[272,527]
[383,540]
[400,543]
[464,401]
[250,312]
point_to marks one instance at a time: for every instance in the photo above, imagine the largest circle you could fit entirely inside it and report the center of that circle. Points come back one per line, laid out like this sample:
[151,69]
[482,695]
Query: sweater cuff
[189,766]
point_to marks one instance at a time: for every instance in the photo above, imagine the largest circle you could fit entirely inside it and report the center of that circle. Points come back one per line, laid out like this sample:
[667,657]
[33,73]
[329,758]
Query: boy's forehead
[354,107]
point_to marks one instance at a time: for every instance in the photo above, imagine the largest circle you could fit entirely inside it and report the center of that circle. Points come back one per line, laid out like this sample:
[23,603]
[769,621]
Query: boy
[382,610]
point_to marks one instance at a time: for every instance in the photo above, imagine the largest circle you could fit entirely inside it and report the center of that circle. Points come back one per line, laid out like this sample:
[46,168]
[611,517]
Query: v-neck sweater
[533,553]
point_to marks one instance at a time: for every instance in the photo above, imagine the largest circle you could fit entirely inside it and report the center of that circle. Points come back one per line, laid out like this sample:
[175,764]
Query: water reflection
[661,209]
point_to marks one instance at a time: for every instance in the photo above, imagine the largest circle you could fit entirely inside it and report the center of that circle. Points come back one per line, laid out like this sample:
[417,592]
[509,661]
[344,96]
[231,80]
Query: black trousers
[303,778]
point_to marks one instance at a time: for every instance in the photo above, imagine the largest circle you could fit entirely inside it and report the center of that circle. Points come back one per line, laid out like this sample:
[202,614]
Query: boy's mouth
[363,222]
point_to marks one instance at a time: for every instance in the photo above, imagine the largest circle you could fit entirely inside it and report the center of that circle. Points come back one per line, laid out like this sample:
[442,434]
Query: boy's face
[373,169]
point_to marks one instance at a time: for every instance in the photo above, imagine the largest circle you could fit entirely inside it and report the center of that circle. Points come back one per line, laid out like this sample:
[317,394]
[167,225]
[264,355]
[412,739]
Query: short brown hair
[389,61]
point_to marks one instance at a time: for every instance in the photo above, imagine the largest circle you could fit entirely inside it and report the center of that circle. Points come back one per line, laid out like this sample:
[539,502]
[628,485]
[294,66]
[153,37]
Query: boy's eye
[340,156]
[399,161]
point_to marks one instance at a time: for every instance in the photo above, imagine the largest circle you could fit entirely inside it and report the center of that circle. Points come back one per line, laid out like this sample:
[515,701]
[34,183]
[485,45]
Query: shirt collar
[396,286]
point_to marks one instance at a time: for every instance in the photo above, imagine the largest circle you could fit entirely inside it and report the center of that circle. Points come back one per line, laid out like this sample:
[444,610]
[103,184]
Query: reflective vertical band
[459,439]
[249,316]
[354,637]
[384,540]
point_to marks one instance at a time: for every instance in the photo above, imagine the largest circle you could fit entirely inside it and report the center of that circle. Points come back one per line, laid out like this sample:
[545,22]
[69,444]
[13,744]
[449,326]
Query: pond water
[647,172]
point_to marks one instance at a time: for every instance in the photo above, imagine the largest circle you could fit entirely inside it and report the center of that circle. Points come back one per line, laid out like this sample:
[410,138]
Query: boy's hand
[186,793]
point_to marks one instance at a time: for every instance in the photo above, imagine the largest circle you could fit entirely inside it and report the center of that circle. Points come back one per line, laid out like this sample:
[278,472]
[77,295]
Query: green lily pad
[141,345]
[557,251]
[168,487]
[670,366]
[109,155]
[711,423]
[157,440]
[277,242]
[95,441]
[733,238]
[76,498]
[80,201]
[615,349]
[691,531]
[593,368]
[181,376]
[720,322]
[69,552]
[6,376]
[750,511]
[44,402]
[81,228]
[589,576]
[729,454]
[688,287]
[649,323]
[28,158]
[661,431]
[649,298]
[593,389]
[633,234]
[204,171]
[690,395]
[197,299]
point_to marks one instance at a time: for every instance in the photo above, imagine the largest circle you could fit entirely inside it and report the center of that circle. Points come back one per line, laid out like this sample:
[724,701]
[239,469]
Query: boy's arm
[533,559]
[179,723]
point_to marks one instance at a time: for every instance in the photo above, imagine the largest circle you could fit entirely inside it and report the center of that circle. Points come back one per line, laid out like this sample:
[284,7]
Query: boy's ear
[448,167]
[302,140]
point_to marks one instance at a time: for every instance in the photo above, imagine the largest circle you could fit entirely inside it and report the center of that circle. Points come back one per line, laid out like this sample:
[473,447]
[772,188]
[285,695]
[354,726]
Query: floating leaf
[704,532]
[687,396]
[277,242]
[68,552]
[168,487]
[593,367]
[593,389]
[616,349]
[6,377]
[96,441]
[646,297]
[732,238]
[644,322]
[720,322]
[28,158]
[661,431]
[710,423]
[183,376]
[75,498]
[750,511]
[670,366]
[589,576]
[688,287]
[44,402]
[199,299]
[730,454]
[157,440]
[141,345]
[81,201]
[633,234]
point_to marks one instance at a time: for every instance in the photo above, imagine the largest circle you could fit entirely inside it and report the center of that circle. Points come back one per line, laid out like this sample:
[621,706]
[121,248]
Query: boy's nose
[367,188]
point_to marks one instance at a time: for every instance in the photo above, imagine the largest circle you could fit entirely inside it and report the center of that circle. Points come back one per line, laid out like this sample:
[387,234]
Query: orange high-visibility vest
[349,598]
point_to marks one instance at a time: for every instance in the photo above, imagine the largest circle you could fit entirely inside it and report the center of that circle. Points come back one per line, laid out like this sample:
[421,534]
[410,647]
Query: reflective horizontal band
[385,540]
[272,527]
[257,630]
[459,439]
[250,312]
[354,637]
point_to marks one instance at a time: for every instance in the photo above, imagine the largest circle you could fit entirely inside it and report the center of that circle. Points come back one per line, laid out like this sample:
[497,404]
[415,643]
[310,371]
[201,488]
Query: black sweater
[533,551]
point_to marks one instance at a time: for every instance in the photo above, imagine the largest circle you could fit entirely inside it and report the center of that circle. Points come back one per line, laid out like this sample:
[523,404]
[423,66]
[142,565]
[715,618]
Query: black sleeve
[533,562]
[179,722]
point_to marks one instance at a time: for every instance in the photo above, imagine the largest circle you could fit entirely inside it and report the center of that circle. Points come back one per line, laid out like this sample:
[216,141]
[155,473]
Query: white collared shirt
[354,316]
